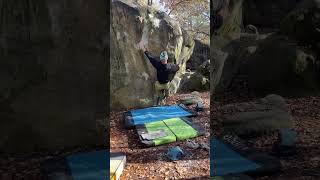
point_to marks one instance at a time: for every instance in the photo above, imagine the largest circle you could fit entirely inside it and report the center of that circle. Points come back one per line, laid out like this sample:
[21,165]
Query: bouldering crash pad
[156,113]
[174,129]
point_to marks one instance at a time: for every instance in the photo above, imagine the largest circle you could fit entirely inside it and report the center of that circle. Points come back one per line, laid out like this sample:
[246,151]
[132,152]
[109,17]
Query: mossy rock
[132,75]
[274,65]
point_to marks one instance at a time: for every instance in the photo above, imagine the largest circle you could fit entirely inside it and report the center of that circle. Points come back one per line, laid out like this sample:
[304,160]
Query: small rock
[205,146]
[175,153]
[192,144]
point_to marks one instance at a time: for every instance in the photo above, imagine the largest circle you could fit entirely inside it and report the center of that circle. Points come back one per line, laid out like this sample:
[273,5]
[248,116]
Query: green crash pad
[175,129]
[180,128]
[160,125]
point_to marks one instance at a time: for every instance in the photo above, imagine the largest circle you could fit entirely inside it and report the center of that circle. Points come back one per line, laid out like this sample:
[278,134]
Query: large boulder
[132,75]
[266,14]
[232,13]
[265,115]
[303,23]
[219,58]
[271,65]
[194,81]
[205,69]
[53,74]
[200,54]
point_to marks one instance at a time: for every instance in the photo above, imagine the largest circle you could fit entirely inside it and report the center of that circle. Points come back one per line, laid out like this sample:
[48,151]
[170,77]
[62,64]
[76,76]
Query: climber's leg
[157,95]
[160,92]
[165,92]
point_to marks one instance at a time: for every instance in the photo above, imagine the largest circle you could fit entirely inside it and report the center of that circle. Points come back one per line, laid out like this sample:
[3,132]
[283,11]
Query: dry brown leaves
[306,113]
[152,163]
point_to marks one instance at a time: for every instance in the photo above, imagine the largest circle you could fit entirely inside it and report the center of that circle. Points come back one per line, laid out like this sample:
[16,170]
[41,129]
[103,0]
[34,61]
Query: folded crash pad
[157,113]
[168,130]
[226,160]
[81,166]
[117,164]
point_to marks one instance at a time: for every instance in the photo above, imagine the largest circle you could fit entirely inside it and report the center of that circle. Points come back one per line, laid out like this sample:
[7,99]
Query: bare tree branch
[173,6]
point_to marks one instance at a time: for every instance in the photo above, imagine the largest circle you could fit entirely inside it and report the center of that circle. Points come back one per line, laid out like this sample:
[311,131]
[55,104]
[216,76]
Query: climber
[165,74]
[150,2]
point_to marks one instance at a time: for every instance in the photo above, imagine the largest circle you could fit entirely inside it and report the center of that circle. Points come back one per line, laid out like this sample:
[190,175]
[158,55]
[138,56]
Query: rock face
[232,13]
[271,65]
[267,14]
[53,74]
[303,23]
[200,54]
[132,75]
[192,98]
[197,80]
[219,57]
[282,62]
[268,114]
[194,81]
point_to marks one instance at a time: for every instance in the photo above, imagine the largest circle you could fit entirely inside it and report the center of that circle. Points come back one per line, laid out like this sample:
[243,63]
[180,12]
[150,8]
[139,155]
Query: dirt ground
[152,163]
[28,167]
[306,163]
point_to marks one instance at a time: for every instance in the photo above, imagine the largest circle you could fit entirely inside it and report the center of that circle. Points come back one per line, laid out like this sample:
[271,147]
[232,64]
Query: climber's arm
[175,68]
[152,60]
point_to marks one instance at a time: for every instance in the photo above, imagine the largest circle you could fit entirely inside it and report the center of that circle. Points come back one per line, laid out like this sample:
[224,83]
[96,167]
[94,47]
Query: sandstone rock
[232,19]
[193,98]
[204,68]
[194,81]
[217,5]
[303,23]
[53,74]
[219,57]
[132,75]
[271,65]
[266,14]
[200,54]
[265,115]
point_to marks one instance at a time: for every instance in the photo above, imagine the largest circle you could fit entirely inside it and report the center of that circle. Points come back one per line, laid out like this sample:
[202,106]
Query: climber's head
[164,57]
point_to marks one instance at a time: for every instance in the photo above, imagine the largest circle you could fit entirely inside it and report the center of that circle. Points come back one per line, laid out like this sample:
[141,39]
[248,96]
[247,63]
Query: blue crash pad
[93,165]
[225,160]
[151,114]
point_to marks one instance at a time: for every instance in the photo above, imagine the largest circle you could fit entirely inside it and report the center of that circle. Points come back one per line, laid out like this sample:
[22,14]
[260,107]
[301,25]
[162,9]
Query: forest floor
[306,163]
[152,163]
[29,167]
[143,163]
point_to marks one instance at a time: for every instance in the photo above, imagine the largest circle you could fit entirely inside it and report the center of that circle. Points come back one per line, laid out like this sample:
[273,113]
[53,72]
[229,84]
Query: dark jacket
[165,72]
